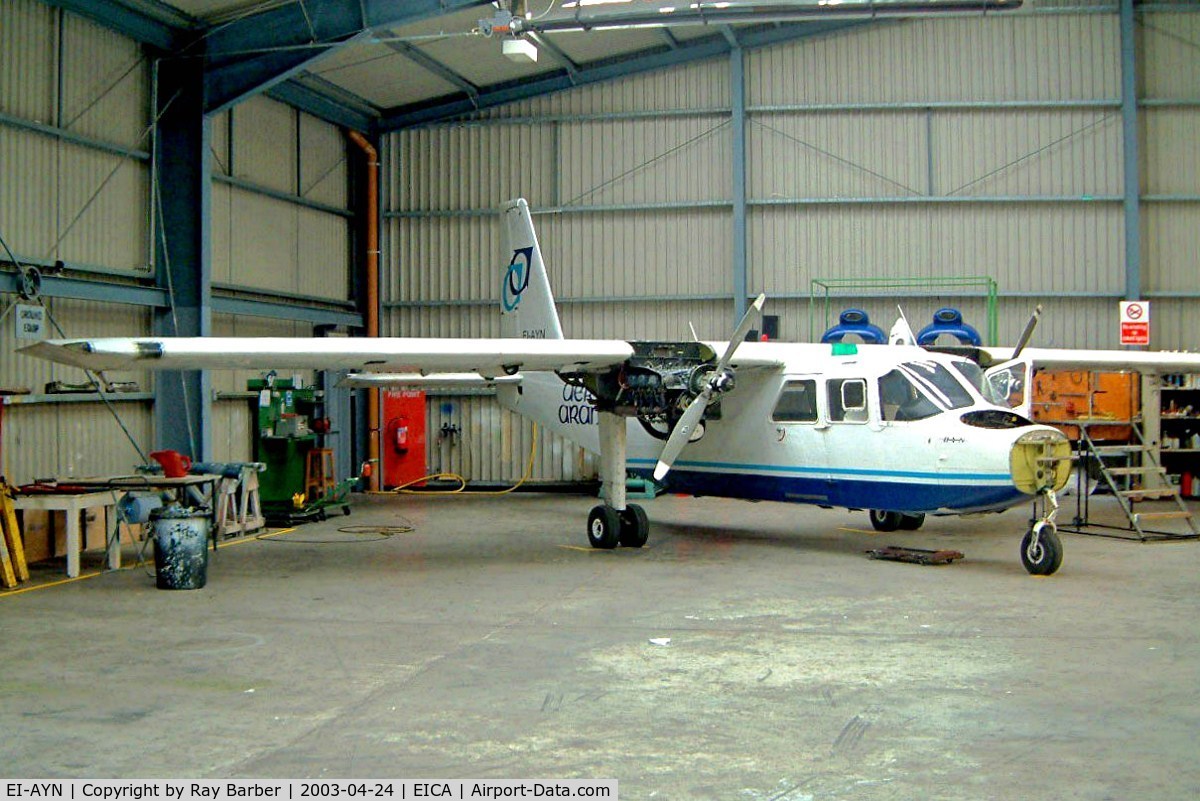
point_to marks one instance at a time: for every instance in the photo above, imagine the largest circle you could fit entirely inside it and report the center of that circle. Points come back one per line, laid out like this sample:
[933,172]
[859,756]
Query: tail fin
[526,302]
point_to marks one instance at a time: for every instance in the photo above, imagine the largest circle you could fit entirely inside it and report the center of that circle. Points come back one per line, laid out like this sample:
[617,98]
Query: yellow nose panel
[1040,460]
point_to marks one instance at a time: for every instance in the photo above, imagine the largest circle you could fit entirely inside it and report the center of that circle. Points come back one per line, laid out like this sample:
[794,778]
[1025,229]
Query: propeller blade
[695,410]
[739,333]
[681,433]
[1028,332]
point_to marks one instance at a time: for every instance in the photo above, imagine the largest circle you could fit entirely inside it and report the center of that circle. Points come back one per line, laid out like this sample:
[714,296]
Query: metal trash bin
[180,547]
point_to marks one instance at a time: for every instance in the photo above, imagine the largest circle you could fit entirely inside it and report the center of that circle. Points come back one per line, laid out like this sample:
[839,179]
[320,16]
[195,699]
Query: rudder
[526,302]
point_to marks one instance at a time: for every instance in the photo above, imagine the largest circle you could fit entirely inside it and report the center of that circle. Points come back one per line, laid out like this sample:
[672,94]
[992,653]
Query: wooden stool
[318,473]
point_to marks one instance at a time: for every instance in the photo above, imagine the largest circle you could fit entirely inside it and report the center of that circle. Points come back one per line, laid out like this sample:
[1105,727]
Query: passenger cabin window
[797,403]
[847,400]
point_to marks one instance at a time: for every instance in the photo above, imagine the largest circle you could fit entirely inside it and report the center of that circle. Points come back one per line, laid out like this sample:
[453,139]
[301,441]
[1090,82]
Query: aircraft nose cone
[1040,460]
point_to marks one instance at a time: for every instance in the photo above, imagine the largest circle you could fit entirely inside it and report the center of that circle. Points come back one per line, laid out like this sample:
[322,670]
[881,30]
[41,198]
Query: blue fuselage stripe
[894,491]
[730,467]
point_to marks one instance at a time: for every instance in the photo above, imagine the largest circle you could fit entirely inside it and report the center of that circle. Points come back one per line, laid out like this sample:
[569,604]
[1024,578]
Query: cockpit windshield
[939,382]
[974,375]
[920,389]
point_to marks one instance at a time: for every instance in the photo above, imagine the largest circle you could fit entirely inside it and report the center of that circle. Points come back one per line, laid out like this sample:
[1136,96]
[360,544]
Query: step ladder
[1141,479]
[13,569]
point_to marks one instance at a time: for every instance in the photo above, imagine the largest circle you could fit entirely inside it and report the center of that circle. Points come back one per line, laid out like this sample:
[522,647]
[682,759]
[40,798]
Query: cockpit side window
[900,399]
[797,403]
[847,400]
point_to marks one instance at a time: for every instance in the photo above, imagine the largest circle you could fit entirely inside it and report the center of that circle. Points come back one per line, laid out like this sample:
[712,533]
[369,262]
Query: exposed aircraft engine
[656,385]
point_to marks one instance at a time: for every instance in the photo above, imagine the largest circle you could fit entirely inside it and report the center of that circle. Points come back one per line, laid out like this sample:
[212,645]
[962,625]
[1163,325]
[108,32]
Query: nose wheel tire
[1041,550]
[886,521]
[635,526]
[911,522]
[604,527]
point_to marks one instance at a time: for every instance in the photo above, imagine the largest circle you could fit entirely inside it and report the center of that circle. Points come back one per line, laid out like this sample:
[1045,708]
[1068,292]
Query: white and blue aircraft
[896,429]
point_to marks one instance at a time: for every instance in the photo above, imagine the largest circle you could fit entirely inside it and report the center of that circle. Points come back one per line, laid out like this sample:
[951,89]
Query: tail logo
[516,279]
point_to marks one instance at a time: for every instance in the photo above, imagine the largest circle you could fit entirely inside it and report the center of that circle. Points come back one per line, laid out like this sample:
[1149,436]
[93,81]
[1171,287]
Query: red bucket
[174,463]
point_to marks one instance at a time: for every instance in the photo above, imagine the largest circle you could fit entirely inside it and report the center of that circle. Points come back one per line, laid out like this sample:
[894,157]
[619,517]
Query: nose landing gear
[1041,549]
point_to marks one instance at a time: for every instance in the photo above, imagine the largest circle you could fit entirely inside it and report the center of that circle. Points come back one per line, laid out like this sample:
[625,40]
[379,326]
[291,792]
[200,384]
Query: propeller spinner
[717,382]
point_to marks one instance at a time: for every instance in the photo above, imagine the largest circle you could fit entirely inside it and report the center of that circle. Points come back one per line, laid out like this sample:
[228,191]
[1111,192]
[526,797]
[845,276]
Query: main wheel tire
[885,521]
[635,526]
[911,522]
[604,527]
[1046,556]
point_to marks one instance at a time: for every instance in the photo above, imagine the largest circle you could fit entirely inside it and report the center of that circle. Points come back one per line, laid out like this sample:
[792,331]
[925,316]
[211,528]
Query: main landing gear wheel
[911,522]
[886,521]
[1041,549]
[604,527]
[635,526]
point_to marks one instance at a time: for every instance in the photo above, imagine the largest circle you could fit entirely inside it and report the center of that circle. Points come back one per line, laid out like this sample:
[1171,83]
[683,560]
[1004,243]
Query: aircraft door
[799,431]
[1011,384]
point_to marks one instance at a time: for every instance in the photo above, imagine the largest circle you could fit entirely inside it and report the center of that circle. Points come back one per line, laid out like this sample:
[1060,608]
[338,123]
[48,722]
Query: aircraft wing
[485,357]
[1143,361]
[418,381]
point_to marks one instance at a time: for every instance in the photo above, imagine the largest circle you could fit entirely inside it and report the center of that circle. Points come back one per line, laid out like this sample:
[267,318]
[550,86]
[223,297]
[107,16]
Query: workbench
[72,505]
[105,491]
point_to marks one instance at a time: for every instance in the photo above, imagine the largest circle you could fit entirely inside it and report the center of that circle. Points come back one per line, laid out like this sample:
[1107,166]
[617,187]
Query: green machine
[287,437]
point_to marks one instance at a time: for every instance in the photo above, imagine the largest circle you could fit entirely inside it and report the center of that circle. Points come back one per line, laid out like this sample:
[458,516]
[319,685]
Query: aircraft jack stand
[615,522]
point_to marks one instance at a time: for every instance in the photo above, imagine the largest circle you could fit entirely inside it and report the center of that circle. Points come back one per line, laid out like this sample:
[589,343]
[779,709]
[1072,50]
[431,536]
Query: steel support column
[737,88]
[1129,138]
[183,200]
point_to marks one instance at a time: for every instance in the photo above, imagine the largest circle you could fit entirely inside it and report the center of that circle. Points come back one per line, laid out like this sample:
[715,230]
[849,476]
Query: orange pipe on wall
[372,310]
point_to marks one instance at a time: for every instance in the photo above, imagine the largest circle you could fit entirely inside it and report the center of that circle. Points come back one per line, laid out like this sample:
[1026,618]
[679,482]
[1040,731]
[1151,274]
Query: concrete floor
[490,642]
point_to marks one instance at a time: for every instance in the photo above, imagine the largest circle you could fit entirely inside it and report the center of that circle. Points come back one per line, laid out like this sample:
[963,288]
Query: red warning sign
[1135,322]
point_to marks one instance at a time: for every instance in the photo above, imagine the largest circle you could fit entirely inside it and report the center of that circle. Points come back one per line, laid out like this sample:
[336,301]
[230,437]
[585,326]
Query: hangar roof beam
[713,46]
[289,39]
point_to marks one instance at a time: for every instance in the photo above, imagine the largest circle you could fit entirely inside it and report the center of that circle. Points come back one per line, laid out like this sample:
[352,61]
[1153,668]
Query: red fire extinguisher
[397,434]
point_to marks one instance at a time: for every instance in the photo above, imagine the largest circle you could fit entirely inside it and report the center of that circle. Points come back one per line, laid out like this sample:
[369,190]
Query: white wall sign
[31,321]
[1135,322]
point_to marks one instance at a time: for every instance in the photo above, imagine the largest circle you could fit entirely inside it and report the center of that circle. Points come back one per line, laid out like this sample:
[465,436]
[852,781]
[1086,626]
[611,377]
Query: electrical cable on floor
[376,534]
[461,489]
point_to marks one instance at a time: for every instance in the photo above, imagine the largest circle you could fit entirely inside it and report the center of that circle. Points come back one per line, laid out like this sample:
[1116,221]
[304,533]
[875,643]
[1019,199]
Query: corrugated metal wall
[76,187]
[931,148]
[81,196]
[496,445]
[62,199]
[276,222]
[60,437]
[1171,153]
[281,181]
